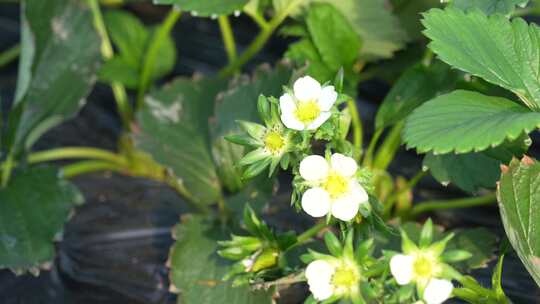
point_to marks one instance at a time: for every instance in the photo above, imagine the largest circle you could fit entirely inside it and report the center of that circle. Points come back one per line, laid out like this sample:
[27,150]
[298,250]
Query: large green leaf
[57,67]
[373,21]
[469,171]
[173,129]
[519,202]
[489,7]
[132,39]
[33,209]
[417,85]
[500,51]
[240,103]
[465,121]
[207,8]
[197,271]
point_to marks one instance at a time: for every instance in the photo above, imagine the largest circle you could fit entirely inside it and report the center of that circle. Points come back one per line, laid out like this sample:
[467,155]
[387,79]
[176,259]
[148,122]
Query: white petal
[306,89]
[344,165]
[345,208]
[321,292]
[316,202]
[290,121]
[319,120]
[286,104]
[401,267]
[319,272]
[327,98]
[358,193]
[314,168]
[438,291]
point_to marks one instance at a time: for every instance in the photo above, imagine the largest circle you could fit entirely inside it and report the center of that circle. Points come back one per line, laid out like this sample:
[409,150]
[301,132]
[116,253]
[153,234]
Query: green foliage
[329,44]
[469,171]
[133,39]
[505,55]
[33,209]
[173,129]
[240,103]
[415,86]
[518,194]
[465,121]
[197,270]
[207,8]
[60,54]
[505,7]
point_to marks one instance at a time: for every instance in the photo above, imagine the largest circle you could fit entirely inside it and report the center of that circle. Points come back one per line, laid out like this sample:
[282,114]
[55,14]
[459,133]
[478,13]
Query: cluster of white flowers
[334,187]
[332,278]
[309,107]
[422,267]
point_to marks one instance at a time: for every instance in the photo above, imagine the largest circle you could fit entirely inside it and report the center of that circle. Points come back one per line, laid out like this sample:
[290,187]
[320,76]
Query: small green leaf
[128,34]
[118,70]
[416,85]
[173,129]
[465,121]
[426,235]
[489,7]
[505,55]
[519,203]
[33,209]
[333,244]
[207,8]
[197,270]
[59,59]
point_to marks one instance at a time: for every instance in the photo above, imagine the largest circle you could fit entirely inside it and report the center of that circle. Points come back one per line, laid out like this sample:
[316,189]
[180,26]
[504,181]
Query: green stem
[257,18]
[260,40]
[76,153]
[10,55]
[453,204]
[6,168]
[368,157]
[311,232]
[152,54]
[357,128]
[119,91]
[228,37]
[410,184]
[89,166]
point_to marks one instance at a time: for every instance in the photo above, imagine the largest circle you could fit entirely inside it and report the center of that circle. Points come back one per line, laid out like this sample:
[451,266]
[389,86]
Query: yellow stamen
[274,142]
[336,185]
[307,111]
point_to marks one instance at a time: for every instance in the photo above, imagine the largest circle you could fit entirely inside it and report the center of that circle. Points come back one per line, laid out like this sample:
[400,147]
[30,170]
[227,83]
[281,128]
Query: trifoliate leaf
[489,7]
[494,48]
[518,194]
[465,121]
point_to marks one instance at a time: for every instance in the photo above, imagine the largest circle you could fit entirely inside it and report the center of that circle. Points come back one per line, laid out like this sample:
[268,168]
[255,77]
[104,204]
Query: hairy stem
[9,55]
[453,204]
[357,128]
[261,39]
[311,232]
[88,166]
[76,153]
[152,53]
[119,91]
[228,37]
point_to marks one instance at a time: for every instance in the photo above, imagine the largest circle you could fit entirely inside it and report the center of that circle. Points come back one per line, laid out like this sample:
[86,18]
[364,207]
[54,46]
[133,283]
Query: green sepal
[407,246]
[453,256]
[426,235]
[244,140]
[253,157]
[333,244]
[255,130]
[256,168]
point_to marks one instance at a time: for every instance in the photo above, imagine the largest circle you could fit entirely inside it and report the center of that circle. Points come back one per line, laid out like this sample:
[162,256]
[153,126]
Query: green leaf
[465,121]
[119,70]
[173,129]
[197,271]
[57,67]
[128,34]
[207,8]
[416,85]
[373,21]
[304,51]
[240,103]
[489,7]
[33,209]
[494,48]
[519,203]
[333,36]
[469,171]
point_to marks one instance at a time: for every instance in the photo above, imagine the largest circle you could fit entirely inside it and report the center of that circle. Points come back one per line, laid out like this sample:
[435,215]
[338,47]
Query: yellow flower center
[307,111]
[424,266]
[336,185]
[345,277]
[274,142]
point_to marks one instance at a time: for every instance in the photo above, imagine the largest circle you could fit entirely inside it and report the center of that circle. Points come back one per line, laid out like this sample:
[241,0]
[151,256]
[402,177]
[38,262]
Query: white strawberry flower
[422,268]
[332,277]
[309,105]
[334,187]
